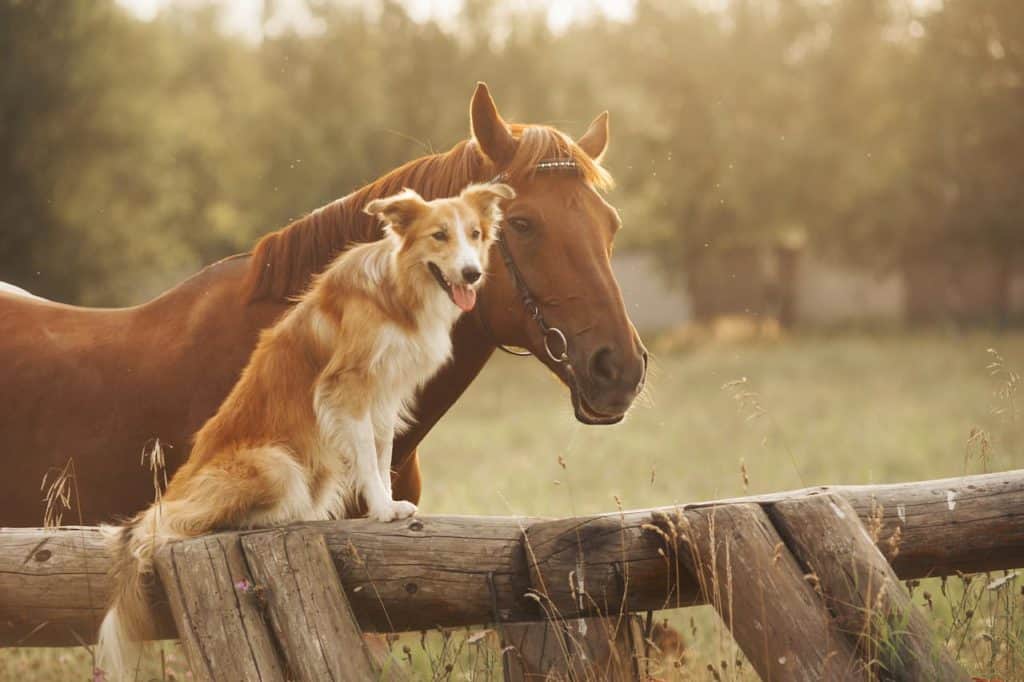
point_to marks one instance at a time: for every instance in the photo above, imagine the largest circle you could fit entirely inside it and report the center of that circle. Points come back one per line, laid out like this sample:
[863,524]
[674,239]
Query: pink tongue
[465,297]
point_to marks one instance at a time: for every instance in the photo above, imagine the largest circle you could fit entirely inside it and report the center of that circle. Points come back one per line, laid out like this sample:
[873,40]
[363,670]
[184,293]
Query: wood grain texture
[432,571]
[574,649]
[54,585]
[758,589]
[222,626]
[860,587]
[427,571]
[307,607]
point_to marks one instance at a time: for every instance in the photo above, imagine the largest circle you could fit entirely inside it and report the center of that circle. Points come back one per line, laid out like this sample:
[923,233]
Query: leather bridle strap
[548,332]
[533,310]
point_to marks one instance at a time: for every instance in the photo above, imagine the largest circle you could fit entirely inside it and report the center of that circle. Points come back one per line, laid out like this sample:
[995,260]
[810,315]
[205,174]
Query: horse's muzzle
[612,381]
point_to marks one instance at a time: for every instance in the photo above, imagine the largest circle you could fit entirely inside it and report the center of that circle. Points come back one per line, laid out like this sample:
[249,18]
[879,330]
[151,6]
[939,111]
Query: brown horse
[96,386]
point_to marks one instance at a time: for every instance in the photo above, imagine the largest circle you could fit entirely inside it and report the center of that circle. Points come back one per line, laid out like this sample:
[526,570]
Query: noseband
[548,332]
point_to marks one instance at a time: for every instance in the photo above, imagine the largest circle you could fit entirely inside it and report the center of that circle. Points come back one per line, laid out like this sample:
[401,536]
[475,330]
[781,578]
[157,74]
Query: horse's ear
[399,210]
[489,130]
[595,141]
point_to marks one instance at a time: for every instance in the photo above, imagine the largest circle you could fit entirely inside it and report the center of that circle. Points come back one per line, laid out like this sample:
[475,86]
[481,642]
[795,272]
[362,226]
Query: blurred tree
[966,157]
[54,74]
[870,131]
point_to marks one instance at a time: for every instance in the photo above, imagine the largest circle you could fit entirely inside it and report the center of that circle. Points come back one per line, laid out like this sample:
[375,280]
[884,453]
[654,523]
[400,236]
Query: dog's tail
[129,621]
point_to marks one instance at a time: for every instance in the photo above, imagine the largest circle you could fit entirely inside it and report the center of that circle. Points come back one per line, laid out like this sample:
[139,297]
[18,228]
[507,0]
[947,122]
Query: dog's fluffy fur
[306,432]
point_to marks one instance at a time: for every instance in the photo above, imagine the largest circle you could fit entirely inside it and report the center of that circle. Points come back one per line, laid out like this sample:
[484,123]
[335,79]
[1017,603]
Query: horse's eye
[440,236]
[476,234]
[520,224]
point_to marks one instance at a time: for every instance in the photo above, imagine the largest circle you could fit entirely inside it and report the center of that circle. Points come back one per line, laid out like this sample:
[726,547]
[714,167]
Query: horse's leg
[405,479]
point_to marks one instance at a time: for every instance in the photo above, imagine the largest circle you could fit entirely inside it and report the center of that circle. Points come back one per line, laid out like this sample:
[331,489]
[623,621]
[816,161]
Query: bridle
[531,305]
[533,310]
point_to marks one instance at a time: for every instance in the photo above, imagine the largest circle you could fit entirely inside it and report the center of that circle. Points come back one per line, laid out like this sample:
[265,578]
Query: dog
[307,430]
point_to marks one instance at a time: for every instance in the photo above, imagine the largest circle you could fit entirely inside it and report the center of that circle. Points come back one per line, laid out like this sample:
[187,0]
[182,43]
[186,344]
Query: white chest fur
[405,360]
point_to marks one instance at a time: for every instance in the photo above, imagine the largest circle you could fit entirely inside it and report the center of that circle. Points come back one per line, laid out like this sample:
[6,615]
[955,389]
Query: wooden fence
[796,576]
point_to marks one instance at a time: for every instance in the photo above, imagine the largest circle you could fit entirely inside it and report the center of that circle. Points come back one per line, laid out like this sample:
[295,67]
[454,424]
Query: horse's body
[96,386]
[6,288]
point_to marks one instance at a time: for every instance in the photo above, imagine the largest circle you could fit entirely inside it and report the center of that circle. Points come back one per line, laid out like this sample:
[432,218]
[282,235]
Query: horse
[6,288]
[86,390]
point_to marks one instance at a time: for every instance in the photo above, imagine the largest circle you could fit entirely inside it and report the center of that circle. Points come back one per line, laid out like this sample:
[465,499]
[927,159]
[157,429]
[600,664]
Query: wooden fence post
[603,639]
[862,589]
[308,610]
[217,614]
[603,648]
[746,572]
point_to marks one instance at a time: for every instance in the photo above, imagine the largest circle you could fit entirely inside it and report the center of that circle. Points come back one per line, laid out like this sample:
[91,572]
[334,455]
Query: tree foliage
[133,152]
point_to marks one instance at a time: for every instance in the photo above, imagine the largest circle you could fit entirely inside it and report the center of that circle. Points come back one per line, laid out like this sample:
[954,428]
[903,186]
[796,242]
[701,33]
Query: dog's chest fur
[402,360]
[405,359]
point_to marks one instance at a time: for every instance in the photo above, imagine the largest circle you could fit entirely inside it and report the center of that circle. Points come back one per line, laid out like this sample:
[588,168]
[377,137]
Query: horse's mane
[283,262]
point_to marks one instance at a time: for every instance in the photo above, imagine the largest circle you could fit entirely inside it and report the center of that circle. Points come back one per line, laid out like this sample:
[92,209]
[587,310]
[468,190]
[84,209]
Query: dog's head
[449,238]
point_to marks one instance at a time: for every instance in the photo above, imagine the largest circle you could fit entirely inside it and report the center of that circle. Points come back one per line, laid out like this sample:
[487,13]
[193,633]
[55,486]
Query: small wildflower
[244,586]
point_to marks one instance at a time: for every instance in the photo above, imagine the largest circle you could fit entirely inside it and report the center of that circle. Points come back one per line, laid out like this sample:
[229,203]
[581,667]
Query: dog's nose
[471,274]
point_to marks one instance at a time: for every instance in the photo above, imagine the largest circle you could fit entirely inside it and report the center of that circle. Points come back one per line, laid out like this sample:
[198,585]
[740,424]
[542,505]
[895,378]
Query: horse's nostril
[470,274]
[603,366]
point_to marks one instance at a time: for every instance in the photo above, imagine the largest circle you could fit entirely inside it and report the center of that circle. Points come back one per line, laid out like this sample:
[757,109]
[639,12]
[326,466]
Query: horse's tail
[129,620]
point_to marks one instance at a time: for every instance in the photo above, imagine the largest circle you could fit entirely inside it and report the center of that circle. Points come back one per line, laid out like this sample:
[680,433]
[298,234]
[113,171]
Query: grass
[721,421]
[838,409]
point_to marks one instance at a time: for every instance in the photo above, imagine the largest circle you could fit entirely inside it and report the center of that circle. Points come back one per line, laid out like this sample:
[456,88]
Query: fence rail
[453,571]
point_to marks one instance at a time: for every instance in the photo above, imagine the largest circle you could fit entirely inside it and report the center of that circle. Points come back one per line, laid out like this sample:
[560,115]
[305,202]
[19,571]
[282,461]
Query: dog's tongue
[464,297]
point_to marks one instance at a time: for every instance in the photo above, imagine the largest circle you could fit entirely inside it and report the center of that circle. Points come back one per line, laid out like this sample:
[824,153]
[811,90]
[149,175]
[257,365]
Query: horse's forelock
[544,143]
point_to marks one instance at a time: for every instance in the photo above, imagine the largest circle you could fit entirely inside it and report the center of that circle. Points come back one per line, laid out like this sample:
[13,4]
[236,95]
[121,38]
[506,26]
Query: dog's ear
[487,193]
[486,198]
[399,211]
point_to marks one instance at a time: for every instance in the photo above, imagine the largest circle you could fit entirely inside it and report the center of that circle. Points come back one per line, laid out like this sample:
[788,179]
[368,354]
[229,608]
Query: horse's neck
[212,302]
[284,261]
[7,288]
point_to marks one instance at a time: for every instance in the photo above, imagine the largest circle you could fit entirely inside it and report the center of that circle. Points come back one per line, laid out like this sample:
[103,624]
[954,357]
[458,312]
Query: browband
[545,165]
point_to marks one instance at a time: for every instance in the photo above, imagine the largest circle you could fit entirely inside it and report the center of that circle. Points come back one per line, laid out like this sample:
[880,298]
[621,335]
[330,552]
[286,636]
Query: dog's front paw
[392,510]
[403,509]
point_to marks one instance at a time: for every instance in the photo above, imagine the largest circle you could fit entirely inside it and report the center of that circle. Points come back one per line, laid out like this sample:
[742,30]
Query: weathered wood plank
[219,616]
[758,589]
[54,586]
[408,576]
[861,588]
[574,649]
[429,571]
[311,617]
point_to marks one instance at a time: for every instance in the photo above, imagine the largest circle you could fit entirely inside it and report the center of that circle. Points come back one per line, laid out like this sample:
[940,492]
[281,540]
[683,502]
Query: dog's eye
[476,234]
[440,236]
[520,224]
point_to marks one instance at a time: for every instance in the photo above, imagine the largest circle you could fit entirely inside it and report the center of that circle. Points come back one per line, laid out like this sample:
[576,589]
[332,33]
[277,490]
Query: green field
[814,409]
[843,409]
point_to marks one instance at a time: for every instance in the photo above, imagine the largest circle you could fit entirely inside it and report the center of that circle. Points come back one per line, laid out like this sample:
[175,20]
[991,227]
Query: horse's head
[551,288]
